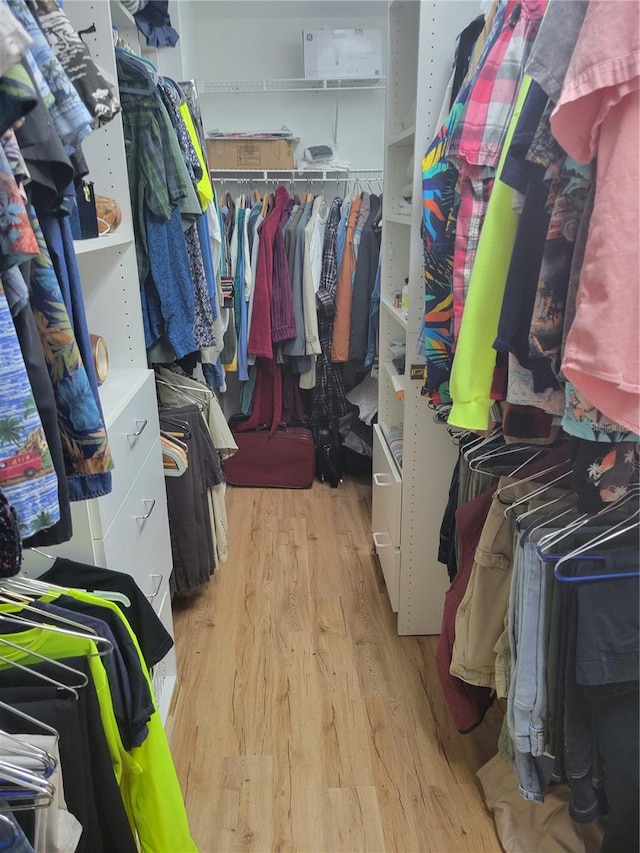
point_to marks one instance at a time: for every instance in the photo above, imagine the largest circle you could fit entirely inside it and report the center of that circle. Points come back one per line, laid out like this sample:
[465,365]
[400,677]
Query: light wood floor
[304,723]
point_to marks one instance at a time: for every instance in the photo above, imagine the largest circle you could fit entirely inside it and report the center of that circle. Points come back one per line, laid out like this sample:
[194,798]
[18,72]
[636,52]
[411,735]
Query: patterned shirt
[329,401]
[479,137]
[70,116]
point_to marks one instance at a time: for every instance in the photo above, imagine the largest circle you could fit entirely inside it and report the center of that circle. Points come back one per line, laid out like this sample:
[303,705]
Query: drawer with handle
[141,526]
[387,489]
[389,557]
[131,437]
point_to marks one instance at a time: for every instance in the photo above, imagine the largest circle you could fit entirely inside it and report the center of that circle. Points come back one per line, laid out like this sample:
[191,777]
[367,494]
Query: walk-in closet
[319,426]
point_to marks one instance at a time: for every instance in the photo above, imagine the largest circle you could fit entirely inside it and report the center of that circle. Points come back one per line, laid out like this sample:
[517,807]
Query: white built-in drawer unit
[387,487]
[387,513]
[131,436]
[163,675]
[139,537]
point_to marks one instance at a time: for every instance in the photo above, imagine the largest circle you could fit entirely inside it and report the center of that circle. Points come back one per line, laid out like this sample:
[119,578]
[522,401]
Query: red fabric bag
[284,460]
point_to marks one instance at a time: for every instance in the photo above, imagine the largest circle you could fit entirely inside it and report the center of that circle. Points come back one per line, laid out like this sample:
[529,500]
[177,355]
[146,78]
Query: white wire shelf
[294,84]
[339,174]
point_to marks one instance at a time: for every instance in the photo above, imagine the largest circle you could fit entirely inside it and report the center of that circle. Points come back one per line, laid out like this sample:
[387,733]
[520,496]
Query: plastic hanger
[175,455]
[173,439]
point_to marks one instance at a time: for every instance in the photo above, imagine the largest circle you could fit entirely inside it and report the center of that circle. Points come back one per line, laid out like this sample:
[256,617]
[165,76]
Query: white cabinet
[126,530]
[408,504]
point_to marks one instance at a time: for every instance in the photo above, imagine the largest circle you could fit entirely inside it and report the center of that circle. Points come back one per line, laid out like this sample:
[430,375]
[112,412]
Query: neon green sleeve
[475,358]
[57,646]
[152,797]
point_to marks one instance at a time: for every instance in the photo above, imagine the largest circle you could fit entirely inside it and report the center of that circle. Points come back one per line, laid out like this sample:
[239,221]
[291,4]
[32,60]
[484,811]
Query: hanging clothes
[74,56]
[27,474]
[589,110]
[84,437]
[346,272]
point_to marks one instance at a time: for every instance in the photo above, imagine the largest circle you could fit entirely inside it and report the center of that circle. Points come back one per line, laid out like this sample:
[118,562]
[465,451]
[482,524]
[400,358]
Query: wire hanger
[10,841]
[551,539]
[531,477]
[16,750]
[95,638]
[33,791]
[39,587]
[60,685]
[617,530]
[508,513]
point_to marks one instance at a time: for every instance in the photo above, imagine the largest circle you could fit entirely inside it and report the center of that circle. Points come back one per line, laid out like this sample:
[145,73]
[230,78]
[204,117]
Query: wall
[246,40]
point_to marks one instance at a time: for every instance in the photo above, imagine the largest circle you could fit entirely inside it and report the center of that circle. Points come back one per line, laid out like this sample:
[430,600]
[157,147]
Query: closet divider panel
[422,41]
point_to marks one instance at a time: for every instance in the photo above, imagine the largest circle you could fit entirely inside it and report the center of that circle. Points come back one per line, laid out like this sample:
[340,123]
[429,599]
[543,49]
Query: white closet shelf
[404,139]
[400,218]
[398,380]
[293,84]
[120,14]
[94,244]
[397,313]
[119,388]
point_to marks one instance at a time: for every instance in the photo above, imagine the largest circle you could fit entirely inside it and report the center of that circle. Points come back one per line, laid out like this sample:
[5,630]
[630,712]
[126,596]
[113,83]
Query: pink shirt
[598,115]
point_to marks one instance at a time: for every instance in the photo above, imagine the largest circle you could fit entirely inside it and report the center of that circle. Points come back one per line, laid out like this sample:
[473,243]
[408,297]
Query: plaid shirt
[476,142]
[329,400]
[479,137]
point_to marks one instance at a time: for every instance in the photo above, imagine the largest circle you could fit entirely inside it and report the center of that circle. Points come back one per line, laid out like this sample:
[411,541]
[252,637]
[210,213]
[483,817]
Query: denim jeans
[597,643]
[480,616]
[527,699]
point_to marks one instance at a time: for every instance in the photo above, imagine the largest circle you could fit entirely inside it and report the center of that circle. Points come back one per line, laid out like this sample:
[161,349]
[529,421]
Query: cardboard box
[243,153]
[342,54]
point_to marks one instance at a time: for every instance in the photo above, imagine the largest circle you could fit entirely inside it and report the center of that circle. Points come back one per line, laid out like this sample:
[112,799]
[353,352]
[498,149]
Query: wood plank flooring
[304,723]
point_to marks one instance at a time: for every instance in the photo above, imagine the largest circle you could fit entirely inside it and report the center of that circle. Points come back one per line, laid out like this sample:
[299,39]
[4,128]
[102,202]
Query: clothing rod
[308,180]
[298,173]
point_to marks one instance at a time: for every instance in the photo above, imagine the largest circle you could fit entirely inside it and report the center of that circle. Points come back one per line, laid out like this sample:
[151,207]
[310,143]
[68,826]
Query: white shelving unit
[105,241]
[128,529]
[408,504]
